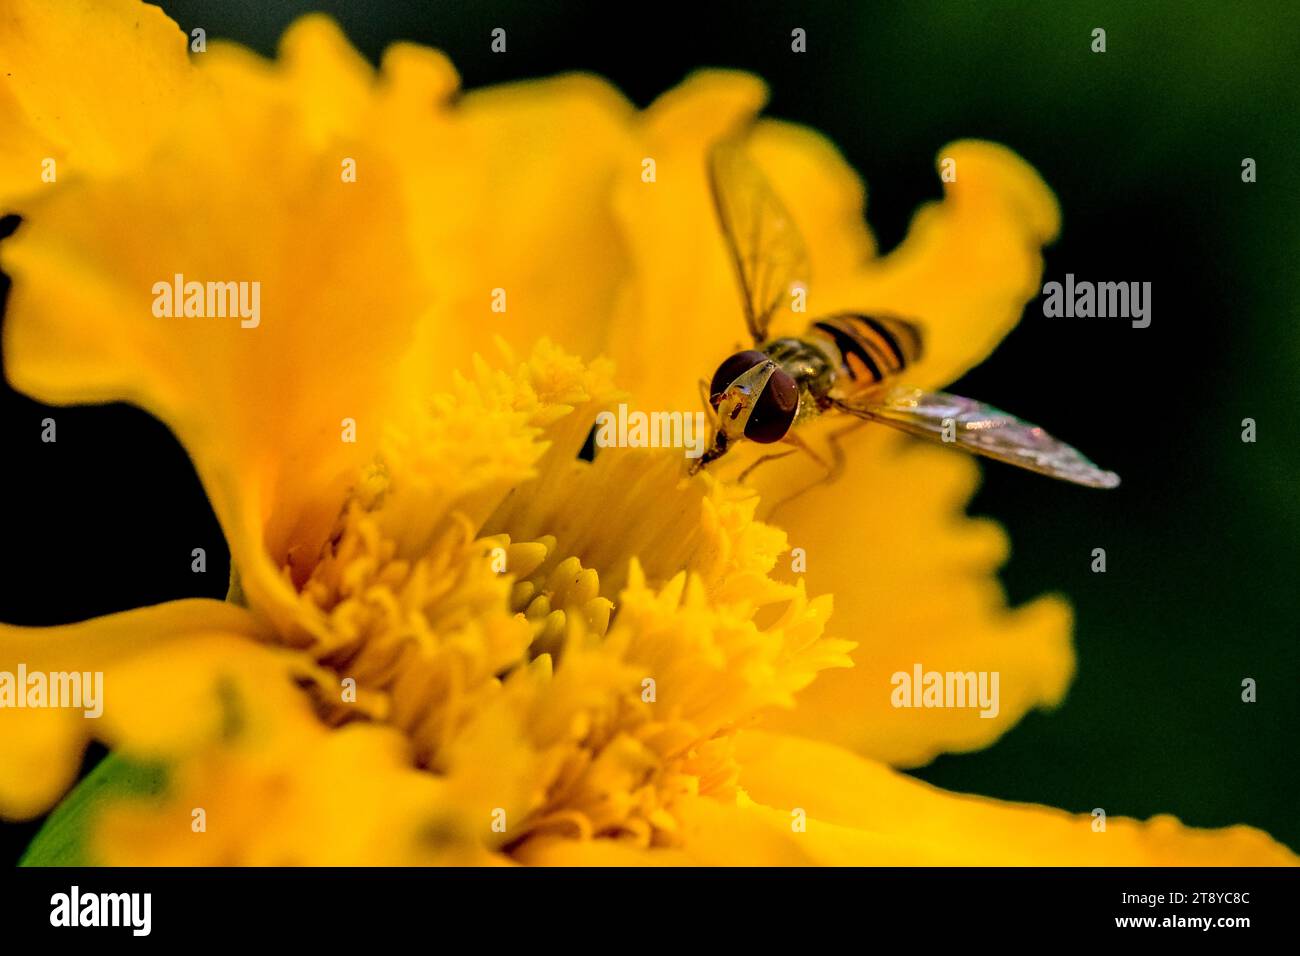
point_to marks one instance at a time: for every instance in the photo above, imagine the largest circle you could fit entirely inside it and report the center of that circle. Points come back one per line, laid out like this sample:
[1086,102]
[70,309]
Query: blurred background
[1143,145]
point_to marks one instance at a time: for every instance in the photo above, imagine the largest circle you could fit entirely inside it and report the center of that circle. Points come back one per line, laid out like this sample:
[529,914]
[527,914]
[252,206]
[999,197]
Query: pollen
[488,618]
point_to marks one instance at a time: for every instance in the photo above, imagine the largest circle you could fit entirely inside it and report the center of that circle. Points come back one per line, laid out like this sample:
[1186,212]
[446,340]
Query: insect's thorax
[843,354]
[812,367]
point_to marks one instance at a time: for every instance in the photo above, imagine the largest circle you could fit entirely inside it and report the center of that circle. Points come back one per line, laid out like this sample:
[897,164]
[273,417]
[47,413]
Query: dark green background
[1143,146]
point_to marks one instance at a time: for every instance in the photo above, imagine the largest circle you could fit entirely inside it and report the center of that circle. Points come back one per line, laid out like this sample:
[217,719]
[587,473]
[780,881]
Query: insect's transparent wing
[761,237]
[981,429]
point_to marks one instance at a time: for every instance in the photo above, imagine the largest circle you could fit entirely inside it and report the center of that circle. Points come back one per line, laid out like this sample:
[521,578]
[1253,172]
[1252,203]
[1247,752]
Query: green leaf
[64,840]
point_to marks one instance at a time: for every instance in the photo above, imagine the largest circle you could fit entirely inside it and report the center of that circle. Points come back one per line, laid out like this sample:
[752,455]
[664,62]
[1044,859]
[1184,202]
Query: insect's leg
[790,439]
[804,447]
[740,479]
[834,468]
[837,453]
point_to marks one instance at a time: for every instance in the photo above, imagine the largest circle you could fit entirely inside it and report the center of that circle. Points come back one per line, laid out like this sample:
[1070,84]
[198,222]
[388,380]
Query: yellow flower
[453,640]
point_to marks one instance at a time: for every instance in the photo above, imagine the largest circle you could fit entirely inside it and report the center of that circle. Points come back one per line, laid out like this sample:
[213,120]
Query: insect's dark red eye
[774,412]
[732,369]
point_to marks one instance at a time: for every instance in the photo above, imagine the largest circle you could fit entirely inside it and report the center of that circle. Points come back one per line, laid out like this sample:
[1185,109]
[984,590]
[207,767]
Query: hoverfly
[846,363]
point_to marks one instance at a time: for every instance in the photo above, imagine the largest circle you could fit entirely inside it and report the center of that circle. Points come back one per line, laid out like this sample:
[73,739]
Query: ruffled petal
[307,796]
[90,84]
[180,660]
[862,813]
[968,265]
[713,833]
[265,403]
[680,312]
[914,583]
[514,189]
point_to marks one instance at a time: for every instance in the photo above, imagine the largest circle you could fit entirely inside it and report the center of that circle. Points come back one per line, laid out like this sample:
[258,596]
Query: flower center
[471,606]
[463,641]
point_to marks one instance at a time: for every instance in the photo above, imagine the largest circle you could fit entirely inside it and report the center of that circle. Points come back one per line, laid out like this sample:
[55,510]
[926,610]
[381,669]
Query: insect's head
[754,397]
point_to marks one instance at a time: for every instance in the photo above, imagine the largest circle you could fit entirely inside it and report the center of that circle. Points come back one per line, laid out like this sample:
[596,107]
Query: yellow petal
[680,314]
[823,194]
[512,194]
[90,84]
[262,404]
[141,655]
[172,701]
[308,797]
[914,584]
[862,813]
[967,267]
[713,833]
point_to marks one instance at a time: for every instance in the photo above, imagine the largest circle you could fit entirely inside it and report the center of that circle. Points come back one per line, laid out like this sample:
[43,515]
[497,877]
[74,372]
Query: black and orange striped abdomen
[869,348]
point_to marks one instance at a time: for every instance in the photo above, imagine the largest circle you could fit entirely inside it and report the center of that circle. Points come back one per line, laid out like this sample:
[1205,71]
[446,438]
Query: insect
[848,364]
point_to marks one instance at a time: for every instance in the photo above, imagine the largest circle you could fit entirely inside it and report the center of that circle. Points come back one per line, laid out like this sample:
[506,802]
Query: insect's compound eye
[774,412]
[732,369]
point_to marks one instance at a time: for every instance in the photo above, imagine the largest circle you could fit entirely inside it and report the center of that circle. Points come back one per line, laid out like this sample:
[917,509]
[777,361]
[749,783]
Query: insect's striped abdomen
[870,348]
